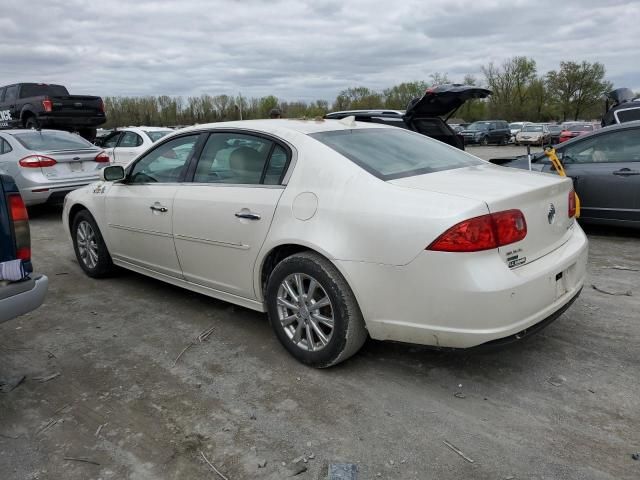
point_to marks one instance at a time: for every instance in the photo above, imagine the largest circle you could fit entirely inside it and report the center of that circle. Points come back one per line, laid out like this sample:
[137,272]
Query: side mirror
[112,173]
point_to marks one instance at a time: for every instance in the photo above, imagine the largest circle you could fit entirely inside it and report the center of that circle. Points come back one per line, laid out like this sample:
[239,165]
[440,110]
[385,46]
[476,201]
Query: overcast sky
[302,49]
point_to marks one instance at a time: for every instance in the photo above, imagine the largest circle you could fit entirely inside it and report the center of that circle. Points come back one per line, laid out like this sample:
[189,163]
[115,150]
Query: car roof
[283,124]
[600,131]
[13,131]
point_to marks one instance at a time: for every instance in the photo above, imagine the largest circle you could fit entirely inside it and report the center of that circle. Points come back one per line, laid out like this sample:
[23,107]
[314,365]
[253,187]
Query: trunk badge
[551,216]
[76,158]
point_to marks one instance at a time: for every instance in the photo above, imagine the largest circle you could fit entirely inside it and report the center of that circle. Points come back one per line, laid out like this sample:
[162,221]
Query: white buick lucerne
[339,230]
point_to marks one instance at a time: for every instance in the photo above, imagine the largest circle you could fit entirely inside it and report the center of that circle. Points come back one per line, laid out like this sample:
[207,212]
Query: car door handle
[159,208]
[249,215]
[625,172]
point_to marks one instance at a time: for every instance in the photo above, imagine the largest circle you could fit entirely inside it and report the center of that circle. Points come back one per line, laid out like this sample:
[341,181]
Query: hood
[621,95]
[444,99]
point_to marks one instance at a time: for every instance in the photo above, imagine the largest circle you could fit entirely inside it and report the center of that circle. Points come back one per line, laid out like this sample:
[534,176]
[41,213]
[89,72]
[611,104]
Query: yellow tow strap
[557,164]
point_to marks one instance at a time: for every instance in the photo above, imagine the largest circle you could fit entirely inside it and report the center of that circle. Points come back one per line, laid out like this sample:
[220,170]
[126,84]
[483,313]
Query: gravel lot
[562,405]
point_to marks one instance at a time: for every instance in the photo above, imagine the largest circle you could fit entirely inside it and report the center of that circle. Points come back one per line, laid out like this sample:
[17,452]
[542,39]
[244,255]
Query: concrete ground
[563,405]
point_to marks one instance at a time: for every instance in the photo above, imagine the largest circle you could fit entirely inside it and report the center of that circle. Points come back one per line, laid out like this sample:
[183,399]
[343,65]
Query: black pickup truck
[20,290]
[38,105]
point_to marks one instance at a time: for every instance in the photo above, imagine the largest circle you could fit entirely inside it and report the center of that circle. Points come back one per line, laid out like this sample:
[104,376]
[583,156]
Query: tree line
[574,91]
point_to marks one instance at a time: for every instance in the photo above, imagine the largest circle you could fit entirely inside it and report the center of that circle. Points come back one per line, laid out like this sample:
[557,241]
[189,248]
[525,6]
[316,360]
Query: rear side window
[390,153]
[11,93]
[628,115]
[4,146]
[130,139]
[51,140]
[42,90]
[241,159]
[157,134]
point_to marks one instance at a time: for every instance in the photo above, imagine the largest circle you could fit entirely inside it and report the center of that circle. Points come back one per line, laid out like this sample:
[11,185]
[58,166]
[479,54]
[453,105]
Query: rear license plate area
[76,166]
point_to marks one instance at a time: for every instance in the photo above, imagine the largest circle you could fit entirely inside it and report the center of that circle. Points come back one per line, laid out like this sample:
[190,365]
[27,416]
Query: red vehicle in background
[570,130]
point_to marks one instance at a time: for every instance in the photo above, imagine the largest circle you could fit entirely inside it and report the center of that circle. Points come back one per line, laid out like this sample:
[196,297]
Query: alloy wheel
[87,245]
[305,312]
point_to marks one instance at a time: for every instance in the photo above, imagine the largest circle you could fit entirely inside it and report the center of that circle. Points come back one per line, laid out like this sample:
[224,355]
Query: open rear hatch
[542,198]
[444,100]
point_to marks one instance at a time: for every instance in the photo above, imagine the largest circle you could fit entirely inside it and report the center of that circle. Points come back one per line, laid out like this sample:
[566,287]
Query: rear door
[139,211]
[221,220]
[606,174]
[128,148]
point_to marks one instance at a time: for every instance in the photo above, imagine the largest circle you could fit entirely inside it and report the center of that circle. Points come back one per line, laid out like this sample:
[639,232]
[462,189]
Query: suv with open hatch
[427,115]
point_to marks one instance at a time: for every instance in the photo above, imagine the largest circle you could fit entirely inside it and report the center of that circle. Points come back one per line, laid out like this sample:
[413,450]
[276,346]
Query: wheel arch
[279,252]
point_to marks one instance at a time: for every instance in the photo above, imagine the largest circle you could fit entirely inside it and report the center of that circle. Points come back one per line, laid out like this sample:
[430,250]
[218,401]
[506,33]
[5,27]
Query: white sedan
[125,144]
[339,230]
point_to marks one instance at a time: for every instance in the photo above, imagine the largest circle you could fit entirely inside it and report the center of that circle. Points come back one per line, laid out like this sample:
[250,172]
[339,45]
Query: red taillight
[102,157]
[483,233]
[20,220]
[101,105]
[37,161]
[47,105]
[572,204]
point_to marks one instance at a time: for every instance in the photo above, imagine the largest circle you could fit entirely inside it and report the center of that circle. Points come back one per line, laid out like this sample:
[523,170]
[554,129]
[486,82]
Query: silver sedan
[48,164]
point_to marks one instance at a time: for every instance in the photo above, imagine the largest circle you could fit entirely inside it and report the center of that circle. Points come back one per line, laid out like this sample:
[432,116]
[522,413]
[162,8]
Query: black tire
[103,266]
[484,141]
[88,134]
[31,122]
[349,332]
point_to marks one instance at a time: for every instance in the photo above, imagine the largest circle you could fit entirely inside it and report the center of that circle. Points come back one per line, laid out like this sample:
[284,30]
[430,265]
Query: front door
[606,174]
[139,211]
[9,114]
[221,220]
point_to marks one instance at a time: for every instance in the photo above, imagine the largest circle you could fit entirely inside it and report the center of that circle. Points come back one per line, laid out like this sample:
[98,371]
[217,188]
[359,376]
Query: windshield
[532,128]
[51,140]
[36,90]
[555,128]
[515,126]
[157,134]
[478,126]
[390,153]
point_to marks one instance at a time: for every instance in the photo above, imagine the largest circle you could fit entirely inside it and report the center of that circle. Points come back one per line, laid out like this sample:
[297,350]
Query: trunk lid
[75,164]
[542,198]
[444,99]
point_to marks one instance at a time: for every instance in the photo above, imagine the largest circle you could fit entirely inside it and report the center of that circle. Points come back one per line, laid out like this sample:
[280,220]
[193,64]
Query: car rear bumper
[51,193]
[22,297]
[71,121]
[464,300]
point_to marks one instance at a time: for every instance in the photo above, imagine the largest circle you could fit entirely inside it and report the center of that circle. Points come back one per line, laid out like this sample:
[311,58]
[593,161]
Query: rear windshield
[157,134]
[577,127]
[41,90]
[390,153]
[51,140]
[532,128]
[478,126]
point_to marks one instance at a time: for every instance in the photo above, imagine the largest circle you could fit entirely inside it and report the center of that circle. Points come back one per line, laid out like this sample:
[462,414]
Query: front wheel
[89,246]
[313,310]
[484,141]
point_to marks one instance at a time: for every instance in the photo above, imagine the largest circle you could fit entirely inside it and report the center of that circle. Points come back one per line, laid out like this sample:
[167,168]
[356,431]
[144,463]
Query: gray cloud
[299,49]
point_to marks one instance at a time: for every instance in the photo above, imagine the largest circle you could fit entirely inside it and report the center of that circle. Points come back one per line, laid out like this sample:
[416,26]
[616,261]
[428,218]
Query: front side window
[620,146]
[236,158]
[390,153]
[51,140]
[130,139]
[164,164]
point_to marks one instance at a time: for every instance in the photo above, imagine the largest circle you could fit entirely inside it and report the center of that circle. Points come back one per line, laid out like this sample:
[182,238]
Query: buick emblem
[551,216]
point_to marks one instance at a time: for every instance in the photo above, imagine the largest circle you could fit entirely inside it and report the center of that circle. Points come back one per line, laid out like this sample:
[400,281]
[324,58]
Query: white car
[125,144]
[340,230]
